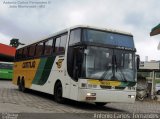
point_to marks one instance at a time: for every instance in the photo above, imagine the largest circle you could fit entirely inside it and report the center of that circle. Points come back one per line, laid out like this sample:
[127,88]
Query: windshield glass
[104,37]
[108,64]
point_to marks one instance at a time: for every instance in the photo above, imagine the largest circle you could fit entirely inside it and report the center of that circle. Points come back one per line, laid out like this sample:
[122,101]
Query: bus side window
[25,52]
[48,47]
[75,37]
[19,54]
[39,49]
[57,44]
[61,43]
[32,50]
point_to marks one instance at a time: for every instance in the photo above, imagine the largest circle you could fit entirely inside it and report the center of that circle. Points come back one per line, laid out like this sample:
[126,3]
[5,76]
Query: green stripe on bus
[125,84]
[46,71]
[43,70]
[39,70]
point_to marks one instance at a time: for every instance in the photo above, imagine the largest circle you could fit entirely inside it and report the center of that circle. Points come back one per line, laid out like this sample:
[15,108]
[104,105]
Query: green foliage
[15,42]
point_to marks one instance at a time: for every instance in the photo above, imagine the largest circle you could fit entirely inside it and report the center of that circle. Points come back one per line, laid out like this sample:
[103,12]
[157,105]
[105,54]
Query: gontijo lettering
[30,64]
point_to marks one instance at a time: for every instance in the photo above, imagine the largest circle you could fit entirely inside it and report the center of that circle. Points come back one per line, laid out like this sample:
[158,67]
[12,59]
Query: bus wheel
[19,85]
[23,86]
[58,93]
[100,103]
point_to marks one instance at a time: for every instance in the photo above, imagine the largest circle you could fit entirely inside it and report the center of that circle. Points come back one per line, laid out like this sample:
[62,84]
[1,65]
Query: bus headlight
[91,94]
[131,96]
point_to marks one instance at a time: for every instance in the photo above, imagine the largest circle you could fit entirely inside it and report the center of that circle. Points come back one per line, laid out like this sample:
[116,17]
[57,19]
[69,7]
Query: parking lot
[13,101]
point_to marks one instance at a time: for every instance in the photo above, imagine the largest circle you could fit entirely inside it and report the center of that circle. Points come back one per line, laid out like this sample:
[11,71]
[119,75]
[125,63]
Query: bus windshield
[108,64]
[104,37]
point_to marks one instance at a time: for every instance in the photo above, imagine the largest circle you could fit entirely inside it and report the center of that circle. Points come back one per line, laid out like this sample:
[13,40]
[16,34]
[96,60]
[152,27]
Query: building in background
[150,70]
[7,53]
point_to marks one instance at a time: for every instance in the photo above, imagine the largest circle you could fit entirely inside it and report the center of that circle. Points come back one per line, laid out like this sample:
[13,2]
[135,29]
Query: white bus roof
[103,29]
[1,62]
[79,26]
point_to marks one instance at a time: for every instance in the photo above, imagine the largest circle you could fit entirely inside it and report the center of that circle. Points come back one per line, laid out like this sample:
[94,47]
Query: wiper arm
[113,67]
[115,62]
[116,66]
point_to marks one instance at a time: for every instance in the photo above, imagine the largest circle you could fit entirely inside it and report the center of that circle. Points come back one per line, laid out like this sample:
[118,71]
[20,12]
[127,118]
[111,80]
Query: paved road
[11,100]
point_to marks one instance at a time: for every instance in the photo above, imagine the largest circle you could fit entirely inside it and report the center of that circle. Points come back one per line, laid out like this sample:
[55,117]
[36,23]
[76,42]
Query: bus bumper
[101,95]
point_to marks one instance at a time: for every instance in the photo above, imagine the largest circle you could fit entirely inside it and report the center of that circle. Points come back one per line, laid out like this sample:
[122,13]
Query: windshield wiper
[114,67]
[124,78]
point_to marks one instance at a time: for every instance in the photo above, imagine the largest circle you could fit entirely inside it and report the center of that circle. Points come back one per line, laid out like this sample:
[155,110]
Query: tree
[14,42]
[155,30]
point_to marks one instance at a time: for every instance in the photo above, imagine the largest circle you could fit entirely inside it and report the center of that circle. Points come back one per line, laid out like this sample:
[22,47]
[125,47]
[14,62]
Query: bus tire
[19,85]
[23,85]
[100,104]
[58,91]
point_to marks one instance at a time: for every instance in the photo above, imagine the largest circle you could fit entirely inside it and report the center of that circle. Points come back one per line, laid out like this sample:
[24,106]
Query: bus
[81,63]
[6,70]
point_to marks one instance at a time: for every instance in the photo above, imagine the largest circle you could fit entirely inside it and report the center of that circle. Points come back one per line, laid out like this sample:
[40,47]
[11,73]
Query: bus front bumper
[103,95]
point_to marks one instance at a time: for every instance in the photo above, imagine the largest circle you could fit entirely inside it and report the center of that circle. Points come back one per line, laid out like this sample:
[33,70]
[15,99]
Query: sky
[137,17]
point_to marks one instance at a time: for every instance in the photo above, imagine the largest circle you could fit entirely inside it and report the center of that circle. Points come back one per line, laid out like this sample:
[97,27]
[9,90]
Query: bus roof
[80,26]
[102,29]
[1,62]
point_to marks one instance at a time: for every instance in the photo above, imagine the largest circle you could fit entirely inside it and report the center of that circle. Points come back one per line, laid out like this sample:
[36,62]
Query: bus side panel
[26,70]
[43,71]
[56,73]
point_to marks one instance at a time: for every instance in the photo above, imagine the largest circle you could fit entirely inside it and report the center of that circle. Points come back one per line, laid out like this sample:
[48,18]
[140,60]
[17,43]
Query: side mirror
[137,61]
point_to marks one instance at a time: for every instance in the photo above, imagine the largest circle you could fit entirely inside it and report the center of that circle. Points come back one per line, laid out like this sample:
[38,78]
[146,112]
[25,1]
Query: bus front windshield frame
[108,64]
[101,55]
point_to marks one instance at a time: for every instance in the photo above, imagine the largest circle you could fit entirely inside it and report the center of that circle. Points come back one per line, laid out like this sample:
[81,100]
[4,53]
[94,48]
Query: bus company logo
[30,64]
[59,63]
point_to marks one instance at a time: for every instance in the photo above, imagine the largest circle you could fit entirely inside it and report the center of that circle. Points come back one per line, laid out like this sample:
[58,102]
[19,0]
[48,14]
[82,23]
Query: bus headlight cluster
[131,96]
[85,85]
[91,94]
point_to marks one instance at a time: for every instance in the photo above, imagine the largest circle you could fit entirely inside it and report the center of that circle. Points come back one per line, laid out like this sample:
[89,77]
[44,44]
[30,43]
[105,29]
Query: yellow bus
[81,63]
